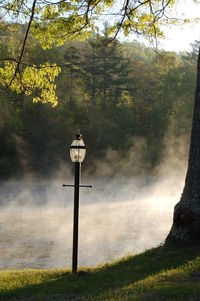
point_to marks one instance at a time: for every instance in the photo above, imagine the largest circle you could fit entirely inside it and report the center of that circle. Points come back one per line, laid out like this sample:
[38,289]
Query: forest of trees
[118,94]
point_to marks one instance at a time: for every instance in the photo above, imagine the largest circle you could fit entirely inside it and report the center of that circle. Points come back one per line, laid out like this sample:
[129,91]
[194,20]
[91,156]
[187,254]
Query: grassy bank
[157,274]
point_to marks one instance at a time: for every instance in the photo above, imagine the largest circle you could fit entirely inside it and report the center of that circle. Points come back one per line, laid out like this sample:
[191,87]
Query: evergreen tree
[73,66]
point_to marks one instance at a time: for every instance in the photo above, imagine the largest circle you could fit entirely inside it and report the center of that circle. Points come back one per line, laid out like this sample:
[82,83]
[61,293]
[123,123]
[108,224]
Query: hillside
[158,274]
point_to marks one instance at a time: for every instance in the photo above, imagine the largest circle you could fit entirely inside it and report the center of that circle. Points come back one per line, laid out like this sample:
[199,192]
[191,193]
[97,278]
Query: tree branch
[24,42]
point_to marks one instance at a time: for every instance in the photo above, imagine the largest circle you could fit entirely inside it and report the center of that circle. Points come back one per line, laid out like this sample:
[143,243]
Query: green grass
[157,274]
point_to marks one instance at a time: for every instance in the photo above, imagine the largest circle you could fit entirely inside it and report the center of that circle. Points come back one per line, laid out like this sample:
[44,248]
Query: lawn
[158,274]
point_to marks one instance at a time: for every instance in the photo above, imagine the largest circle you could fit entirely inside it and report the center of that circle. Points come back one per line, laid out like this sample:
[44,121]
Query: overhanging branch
[24,42]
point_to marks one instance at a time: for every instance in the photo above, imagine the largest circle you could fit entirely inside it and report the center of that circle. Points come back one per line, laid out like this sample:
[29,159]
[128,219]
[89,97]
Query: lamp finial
[78,135]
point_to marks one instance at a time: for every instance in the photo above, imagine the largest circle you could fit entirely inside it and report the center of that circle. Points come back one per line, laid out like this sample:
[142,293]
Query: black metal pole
[76,214]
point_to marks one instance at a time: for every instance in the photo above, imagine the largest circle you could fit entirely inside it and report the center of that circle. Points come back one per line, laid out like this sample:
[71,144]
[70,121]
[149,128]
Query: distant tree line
[117,93]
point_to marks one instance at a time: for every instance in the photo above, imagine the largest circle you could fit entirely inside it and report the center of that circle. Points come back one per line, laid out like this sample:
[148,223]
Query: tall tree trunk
[93,81]
[186,223]
[71,87]
[104,83]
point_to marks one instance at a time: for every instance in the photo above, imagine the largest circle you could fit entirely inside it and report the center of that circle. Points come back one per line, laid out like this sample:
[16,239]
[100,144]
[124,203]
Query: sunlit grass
[157,274]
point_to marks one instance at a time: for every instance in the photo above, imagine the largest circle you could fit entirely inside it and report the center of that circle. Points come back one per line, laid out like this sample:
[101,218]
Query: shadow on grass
[88,283]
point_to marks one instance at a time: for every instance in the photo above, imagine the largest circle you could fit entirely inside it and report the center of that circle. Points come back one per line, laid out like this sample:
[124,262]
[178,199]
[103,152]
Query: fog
[122,214]
[118,216]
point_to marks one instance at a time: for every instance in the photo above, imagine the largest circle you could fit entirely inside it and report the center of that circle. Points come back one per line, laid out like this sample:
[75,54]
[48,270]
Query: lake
[117,217]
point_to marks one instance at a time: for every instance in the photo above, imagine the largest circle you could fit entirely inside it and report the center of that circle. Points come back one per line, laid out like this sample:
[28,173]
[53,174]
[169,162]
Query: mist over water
[118,216]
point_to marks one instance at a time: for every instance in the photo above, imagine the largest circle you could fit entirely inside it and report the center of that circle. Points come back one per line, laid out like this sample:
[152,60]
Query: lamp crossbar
[72,185]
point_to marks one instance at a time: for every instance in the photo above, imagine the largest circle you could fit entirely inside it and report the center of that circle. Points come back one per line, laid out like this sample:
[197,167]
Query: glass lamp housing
[77,150]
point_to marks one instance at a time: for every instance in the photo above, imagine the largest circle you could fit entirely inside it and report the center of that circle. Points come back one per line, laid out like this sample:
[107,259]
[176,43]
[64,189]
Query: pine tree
[73,66]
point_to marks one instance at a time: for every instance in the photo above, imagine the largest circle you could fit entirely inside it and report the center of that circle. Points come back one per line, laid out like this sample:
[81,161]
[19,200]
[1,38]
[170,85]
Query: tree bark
[93,81]
[186,222]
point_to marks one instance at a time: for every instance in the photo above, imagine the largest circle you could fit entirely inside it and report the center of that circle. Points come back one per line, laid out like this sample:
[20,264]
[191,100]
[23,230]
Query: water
[117,217]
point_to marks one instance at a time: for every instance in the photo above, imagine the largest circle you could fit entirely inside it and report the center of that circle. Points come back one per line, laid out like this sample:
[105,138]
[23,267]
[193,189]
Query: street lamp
[77,155]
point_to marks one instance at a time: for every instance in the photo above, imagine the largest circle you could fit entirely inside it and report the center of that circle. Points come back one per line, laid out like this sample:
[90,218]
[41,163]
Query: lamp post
[77,154]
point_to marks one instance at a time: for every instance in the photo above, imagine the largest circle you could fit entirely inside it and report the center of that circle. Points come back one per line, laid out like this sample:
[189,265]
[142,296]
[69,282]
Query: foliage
[32,79]
[124,97]
[54,23]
